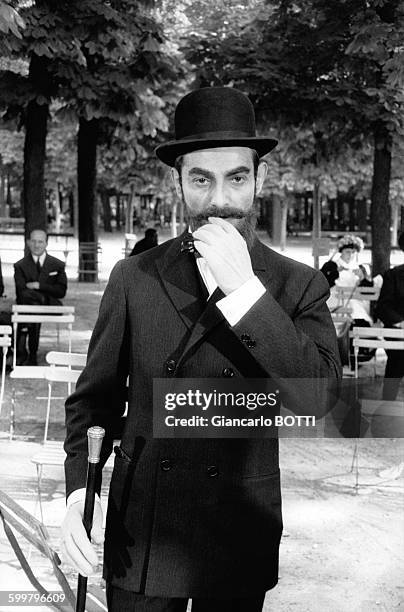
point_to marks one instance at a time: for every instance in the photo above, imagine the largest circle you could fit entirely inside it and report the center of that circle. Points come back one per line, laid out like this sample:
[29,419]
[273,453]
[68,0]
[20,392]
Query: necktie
[38,267]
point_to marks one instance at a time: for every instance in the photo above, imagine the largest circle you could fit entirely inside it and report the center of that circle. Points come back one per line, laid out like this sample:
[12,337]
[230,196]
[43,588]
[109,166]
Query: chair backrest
[376,337]
[58,358]
[378,333]
[61,375]
[30,309]
[42,314]
[5,335]
[368,294]
[26,313]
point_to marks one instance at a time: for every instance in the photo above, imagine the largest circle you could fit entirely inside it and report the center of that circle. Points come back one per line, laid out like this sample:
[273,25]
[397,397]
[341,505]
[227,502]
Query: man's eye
[239,179]
[201,181]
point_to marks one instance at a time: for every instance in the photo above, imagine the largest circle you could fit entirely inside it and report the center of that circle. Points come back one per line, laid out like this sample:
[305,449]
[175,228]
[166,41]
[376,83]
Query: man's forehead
[219,158]
[38,235]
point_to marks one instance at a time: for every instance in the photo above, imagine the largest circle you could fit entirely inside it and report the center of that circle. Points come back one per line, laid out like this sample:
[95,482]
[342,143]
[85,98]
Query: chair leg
[3,377]
[355,464]
[39,478]
[12,413]
[47,411]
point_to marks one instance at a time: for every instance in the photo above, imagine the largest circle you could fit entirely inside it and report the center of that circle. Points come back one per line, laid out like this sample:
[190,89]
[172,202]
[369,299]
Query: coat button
[245,338]
[212,471]
[251,343]
[170,366]
[228,372]
[166,465]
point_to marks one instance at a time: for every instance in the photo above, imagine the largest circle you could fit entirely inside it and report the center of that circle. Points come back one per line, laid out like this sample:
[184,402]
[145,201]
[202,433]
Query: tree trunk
[362,215]
[71,207]
[9,199]
[118,212]
[34,167]
[2,189]
[106,210]
[86,180]
[316,228]
[380,213]
[394,225]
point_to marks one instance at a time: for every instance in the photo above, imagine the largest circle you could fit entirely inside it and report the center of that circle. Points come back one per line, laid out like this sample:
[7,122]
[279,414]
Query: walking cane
[95,436]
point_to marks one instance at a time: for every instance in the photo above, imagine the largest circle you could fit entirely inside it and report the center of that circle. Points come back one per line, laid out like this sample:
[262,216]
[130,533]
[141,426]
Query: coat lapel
[179,275]
[45,268]
[31,268]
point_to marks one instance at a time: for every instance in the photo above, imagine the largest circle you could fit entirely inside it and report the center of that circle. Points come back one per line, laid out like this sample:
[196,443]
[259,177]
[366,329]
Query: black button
[166,465]
[245,338]
[212,471]
[170,366]
[228,372]
[251,343]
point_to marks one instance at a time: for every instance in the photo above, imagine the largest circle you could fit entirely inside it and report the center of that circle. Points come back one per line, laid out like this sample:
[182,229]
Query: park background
[87,90]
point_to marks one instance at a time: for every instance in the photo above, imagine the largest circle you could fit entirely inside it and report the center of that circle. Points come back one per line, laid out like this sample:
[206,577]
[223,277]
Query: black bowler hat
[213,117]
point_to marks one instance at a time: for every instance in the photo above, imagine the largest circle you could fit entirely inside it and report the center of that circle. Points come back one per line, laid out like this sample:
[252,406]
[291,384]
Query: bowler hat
[213,117]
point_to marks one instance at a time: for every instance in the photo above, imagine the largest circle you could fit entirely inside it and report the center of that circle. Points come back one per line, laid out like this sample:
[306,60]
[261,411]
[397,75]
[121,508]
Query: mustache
[224,213]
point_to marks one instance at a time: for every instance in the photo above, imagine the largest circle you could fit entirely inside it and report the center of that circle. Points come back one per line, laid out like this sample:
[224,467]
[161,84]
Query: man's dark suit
[52,288]
[175,526]
[390,310]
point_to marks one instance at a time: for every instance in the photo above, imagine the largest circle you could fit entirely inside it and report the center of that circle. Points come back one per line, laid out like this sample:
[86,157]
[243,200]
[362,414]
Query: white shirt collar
[41,258]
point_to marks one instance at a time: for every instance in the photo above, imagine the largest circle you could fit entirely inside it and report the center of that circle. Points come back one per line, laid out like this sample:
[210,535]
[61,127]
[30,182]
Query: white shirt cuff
[235,305]
[77,496]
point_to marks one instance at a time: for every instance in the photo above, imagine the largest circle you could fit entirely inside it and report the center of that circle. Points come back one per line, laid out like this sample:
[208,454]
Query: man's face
[37,242]
[220,182]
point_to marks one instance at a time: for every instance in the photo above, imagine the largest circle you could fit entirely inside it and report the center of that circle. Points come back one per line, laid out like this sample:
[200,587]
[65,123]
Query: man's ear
[177,181]
[262,171]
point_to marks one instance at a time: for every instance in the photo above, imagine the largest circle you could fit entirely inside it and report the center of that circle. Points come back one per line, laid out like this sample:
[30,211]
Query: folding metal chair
[373,337]
[16,519]
[60,369]
[59,315]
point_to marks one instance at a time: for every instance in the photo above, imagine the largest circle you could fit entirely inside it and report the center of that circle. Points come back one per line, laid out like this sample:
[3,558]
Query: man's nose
[219,196]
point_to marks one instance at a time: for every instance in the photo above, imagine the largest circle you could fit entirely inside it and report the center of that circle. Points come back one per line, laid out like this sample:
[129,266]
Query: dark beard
[245,225]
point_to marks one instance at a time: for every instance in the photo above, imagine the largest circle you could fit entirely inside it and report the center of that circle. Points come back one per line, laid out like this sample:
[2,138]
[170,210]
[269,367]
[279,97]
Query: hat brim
[169,151]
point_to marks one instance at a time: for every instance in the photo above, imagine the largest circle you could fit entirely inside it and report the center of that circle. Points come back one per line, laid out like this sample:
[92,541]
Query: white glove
[76,548]
[225,252]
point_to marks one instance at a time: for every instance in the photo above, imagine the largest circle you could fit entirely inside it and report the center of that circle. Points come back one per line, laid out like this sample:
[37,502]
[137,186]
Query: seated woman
[344,270]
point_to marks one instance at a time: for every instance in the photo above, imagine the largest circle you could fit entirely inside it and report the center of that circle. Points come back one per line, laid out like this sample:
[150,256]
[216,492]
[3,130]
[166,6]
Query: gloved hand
[225,252]
[76,548]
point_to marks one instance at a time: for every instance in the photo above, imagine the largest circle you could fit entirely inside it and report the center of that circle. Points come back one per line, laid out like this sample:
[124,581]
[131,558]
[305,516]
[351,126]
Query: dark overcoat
[195,518]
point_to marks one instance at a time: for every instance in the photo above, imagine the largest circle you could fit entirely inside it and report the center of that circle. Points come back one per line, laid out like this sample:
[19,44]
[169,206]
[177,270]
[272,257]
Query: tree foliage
[333,68]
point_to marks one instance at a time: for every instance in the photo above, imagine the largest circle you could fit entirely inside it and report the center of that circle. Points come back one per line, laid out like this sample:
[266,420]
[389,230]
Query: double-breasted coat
[192,517]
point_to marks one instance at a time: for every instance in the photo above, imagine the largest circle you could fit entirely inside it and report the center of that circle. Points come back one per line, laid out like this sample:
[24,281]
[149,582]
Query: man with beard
[195,518]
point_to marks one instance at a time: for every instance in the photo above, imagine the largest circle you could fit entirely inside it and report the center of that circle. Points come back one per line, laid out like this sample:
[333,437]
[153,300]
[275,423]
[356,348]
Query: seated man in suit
[40,279]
